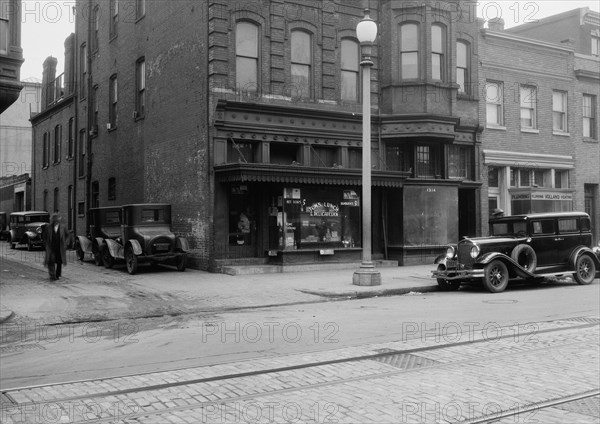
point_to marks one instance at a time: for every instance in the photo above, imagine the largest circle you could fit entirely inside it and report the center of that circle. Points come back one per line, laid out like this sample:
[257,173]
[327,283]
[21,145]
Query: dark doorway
[467,213]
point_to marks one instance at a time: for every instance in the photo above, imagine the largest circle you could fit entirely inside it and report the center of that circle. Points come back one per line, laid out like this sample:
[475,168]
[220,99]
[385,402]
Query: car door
[543,241]
[568,237]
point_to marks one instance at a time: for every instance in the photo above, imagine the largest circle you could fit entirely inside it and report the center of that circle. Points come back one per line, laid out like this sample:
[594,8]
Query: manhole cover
[405,361]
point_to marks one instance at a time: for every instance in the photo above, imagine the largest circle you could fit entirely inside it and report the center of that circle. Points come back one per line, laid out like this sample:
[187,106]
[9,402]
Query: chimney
[48,77]
[69,79]
[496,24]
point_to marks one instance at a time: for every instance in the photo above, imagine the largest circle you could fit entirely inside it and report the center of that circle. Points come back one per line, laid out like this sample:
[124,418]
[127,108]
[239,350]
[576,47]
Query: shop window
[246,51]
[240,151]
[589,116]
[242,221]
[493,177]
[438,52]
[283,153]
[494,99]
[559,111]
[428,162]
[460,162]
[324,157]
[301,64]
[350,70]
[528,99]
[463,60]
[397,158]
[409,51]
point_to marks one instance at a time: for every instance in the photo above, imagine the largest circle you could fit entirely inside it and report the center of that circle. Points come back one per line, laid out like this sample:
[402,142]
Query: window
[71,140]
[438,42]
[568,225]
[140,8]
[524,178]
[71,208]
[462,67]
[350,70]
[246,50]
[114,17]
[95,109]
[493,177]
[397,158]
[595,45]
[81,150]
[543,227]
[57,143]
[240,151]
[96,23]
[409,51]
[428,163]
[56,205]
[559,111]
[140,78]
[112,98]
[95,199]
[528,101]
[80,208]
[301,70]
[45,150]
[112,188]
[324,157]
[4,29]
[45,200]
[494,103]
[83,69]
[561,179]
[589,116]
[460,162]
[283,153]
[355,158]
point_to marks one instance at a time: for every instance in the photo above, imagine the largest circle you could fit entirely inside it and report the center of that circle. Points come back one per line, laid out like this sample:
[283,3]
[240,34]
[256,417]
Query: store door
[467,213]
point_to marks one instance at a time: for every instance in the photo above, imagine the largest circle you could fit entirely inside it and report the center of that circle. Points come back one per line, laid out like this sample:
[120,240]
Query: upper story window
[96,27]
[596,43]
[112,98]
[463,59]
[71,139]
[112,188]
[246,56]
[81,151]
[428,161]
[45,150]
[409,51]
[589,116]
[350,70]
[140,83]
[438,52]
[95,199]
[140,8]
[114,17]
[240,152]
[95,110]
[559,111]
[56,200]
[398,157]
[83,69]
[494,100]
[4,29]
[57,143]
[301,63]
[460,162]
[528,102]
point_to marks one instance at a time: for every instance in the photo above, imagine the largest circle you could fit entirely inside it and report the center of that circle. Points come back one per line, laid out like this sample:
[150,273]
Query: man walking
[55,240]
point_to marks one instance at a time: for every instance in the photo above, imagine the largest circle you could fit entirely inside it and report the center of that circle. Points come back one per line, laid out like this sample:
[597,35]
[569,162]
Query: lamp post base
[366,276]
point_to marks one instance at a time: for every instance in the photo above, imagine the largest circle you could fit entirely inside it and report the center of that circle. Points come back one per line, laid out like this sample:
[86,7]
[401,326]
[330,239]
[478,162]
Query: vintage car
[529,246]
[27,228]
[105,223]
[145,237]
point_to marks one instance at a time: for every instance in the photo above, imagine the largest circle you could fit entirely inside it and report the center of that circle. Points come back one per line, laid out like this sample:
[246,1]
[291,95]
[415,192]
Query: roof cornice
[487,33]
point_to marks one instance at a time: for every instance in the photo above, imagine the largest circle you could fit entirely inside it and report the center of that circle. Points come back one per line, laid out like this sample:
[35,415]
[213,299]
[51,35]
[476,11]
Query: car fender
[580,251]
[85,244]
[115,248]
[182,244]
[442,259]
[512,265]
[135,245]
[31,234]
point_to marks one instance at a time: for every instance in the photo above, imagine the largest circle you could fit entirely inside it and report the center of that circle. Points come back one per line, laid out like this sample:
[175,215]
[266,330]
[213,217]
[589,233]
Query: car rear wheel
[107,258]
[131,261]
[585,270]
[181,262]
[444,284]
[495,277]
[524,255]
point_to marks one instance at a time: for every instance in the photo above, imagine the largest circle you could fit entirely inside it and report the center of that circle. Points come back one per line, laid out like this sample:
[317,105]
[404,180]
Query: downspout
[88,150]
[76,60]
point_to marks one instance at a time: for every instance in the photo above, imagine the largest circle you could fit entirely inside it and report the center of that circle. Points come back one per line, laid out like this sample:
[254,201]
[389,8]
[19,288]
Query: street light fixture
[366,32]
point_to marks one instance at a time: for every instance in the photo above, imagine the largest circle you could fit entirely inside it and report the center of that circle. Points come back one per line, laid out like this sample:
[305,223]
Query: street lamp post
[366,32]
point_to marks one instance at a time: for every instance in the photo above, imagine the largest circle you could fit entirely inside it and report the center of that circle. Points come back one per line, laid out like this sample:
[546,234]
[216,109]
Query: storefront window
[320,218]
[241,216]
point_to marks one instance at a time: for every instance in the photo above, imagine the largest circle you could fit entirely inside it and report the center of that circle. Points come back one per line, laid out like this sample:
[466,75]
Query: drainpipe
[88,150]
[76,60]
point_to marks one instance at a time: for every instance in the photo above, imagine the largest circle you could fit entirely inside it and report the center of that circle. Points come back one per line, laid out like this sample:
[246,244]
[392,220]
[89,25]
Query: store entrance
[467,213]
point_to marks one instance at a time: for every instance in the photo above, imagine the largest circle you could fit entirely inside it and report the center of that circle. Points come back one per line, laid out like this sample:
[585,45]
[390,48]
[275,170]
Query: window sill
[112,129]
[495,127]
[561,133]
[590,140]
[138,118]
[530,130]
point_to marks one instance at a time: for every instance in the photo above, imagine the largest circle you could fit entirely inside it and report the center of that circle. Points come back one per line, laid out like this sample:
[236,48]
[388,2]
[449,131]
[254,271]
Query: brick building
[11,53]
[541,150]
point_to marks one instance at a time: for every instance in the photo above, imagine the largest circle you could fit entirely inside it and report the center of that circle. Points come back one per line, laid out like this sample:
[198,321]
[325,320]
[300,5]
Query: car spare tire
[524,255]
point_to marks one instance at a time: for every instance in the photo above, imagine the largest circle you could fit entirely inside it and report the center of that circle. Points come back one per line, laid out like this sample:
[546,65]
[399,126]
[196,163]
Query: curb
[354,294]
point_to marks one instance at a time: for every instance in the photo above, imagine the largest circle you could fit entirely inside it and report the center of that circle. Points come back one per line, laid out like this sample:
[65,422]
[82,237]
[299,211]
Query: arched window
[301,64]
[409,51]
[463,59]
[438,52]
[246,56]
[350,67]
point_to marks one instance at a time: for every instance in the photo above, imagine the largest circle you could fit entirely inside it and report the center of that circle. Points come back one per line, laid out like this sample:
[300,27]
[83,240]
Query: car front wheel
[131,261]
[585,270]
[495,278]
[444,284]
[107,258]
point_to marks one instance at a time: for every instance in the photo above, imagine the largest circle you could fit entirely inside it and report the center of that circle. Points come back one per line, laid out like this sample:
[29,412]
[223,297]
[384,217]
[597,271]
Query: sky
[47,23]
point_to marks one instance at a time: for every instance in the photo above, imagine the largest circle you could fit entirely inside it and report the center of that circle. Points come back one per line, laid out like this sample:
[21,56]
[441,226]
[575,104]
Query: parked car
[27,228]
[142,236]
[105,223]
[3,226]
[522,246]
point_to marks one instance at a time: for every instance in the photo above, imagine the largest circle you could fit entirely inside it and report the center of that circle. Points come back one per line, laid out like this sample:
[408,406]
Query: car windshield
[509,228]
[36,218]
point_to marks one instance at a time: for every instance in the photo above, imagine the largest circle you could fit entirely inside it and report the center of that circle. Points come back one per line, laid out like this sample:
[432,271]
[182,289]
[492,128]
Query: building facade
[11,53]
[247,119]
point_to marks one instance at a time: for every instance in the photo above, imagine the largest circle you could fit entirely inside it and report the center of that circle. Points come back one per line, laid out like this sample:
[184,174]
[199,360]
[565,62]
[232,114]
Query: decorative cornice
[528,160]
[584,73]
[487,33]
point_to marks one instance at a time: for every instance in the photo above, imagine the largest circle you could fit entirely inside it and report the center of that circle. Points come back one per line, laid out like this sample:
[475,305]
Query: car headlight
[475,251]
[38,230]
[450,252]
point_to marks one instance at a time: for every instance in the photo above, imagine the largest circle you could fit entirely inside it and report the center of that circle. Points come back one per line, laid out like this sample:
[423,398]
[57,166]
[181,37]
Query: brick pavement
[455,382]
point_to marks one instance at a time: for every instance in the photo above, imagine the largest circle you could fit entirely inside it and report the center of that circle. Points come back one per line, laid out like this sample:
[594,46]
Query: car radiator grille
[464,254]
[161,245]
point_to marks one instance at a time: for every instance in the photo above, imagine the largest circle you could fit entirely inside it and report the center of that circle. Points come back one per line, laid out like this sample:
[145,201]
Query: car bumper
[163,256]
[455,274]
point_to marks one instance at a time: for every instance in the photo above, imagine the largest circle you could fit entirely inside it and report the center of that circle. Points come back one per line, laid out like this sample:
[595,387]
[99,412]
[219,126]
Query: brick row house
[246,117]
